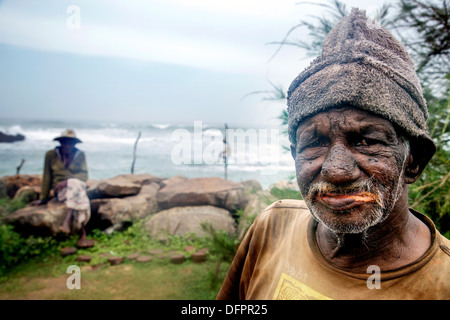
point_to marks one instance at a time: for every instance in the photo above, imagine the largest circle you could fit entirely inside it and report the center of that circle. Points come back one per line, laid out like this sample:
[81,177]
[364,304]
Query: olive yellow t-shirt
[279,259]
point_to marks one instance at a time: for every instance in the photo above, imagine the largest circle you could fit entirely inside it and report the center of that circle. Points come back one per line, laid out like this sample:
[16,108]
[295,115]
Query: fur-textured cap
[364,66]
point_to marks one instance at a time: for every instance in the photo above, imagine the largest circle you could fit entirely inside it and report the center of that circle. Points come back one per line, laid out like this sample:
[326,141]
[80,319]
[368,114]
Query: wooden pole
[20,166]
[225,151]
[134,152]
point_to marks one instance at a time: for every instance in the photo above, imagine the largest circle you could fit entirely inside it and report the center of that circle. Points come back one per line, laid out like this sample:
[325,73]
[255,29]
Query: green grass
[154,280]
[32,268]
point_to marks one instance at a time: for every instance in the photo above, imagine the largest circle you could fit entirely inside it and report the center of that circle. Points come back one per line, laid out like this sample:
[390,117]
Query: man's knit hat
[364,66]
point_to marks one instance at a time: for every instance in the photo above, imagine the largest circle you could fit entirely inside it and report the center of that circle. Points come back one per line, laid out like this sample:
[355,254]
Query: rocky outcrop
[185,220]
[203,191]
[38,220]
[174,206]
[121,186]
[8,138]
[115,213]
[13,183]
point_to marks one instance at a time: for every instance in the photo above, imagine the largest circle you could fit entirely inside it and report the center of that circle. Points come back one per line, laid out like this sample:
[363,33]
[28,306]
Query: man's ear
[421,151]
[293,151]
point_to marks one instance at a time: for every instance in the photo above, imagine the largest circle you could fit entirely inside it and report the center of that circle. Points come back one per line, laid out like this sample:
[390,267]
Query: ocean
[163,149]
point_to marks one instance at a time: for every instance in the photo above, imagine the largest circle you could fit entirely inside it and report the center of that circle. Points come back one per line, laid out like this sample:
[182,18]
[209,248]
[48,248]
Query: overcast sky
[158,61]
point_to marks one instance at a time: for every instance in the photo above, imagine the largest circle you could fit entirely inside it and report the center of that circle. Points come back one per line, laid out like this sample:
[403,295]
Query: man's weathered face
[349,166]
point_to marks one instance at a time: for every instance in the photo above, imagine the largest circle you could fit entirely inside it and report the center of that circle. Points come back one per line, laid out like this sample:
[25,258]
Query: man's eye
[315,144]
[365,142]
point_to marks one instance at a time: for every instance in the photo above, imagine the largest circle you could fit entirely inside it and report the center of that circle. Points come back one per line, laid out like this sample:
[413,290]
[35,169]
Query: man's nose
[339,166]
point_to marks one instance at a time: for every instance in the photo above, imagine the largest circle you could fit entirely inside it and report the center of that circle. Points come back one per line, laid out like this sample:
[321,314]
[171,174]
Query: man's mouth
[346,201]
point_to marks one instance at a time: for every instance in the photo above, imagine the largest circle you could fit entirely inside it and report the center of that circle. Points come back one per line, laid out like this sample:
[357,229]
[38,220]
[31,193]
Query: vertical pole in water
[134,153]
[225,150]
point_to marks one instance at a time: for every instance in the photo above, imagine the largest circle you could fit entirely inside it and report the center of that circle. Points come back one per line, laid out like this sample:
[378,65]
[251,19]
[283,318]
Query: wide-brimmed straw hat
[68,134]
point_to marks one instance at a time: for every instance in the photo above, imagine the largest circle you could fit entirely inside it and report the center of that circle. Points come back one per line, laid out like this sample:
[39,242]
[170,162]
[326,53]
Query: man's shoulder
[444,244]
[284,210]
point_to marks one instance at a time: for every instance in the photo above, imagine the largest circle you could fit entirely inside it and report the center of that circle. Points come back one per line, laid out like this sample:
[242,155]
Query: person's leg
[83,242]
[67,221]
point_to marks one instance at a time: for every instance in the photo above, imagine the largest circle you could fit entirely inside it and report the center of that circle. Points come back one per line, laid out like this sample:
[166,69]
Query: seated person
[65,171]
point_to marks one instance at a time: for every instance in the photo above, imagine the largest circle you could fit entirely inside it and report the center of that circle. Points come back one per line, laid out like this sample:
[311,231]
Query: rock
[115,212]
[202,191]
[10,138]
[28,193]
[156,251]
[184,220]
[133,256]
[173,180]
[257,203]
[84,258]
[199,257]
[189,248]
[115,260]
[283,184]
[177,258]
[43,220]
[15,182]
[144,259]
[121,186]
[67,251]
[251,186]
[3,189]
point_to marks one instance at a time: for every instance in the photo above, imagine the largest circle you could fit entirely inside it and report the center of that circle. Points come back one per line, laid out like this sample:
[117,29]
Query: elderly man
[357,124]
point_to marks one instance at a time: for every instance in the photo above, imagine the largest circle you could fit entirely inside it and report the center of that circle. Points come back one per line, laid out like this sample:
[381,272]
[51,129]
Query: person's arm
[47,178]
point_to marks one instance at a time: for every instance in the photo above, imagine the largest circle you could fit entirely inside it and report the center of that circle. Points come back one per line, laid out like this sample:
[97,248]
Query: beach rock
[116,212]
[121,185]
[185,220]
[11,138]
[15,182]
[28,193]
[202,191]
[3,190]
[257,203]
[251,186]
[285,184]
[43,220]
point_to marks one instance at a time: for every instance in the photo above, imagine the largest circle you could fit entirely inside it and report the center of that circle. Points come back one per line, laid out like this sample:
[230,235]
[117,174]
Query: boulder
[15,182]
[28,193]
[202,191]
[185,220]
[43,220]
[8,138]
[115,212]
[257,203]
[251,186]
[284,184]
[121,186]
